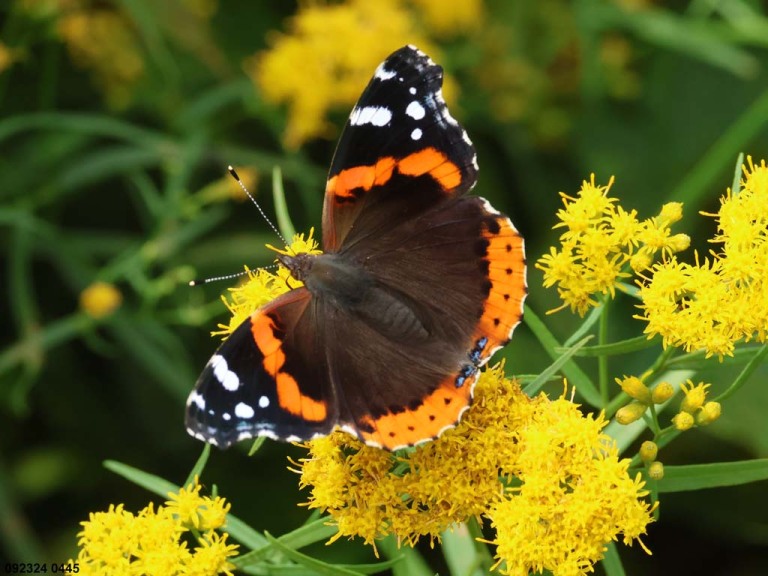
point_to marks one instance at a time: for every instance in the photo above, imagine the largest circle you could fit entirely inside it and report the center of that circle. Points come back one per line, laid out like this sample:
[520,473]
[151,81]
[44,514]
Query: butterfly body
[419,284]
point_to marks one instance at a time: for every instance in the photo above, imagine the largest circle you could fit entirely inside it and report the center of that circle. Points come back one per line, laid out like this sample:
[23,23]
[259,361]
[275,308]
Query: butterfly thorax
[348,286]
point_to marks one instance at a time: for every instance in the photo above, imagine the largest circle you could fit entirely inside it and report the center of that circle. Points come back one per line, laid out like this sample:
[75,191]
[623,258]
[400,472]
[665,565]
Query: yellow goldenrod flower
[656,471]
[648,451]
[312,70]
[263,286]
[104,42]
[630,413]
[683,421]
[602,241]
[463,17]
[199,512]
[716,302]
[694,397]
[100,299]
[634,388]
[708,413]
[662,392]
[568,476]
[152,541]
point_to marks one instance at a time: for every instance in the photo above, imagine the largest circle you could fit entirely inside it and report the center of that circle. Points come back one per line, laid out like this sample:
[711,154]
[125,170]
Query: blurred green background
[118,119]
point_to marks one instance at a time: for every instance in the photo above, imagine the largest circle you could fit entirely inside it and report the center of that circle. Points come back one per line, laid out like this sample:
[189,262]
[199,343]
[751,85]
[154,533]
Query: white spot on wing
[416,134]
[196,399]
[412,90]
[382,73]
[242,410]
[375,115]
[263,402]
[415,110]
[223,374]
[227,416]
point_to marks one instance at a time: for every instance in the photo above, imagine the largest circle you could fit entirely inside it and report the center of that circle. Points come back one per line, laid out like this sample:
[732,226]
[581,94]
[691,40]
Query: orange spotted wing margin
[267,379]
[460,269]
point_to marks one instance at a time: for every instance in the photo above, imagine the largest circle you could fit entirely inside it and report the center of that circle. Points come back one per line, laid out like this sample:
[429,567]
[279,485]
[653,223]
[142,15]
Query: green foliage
[112,177]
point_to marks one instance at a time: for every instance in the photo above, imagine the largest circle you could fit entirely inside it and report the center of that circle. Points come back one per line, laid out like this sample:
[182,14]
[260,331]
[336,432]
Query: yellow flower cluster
[104,42]
[545,476]
[120,543]
[600,240]
[694,408]
[713,304]
[312,69]
[263,286]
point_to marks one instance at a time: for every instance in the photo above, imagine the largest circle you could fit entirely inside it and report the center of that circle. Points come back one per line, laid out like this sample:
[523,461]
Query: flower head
[601,242]
[545,475]
[263,286]
[720,300]
[331,75]
[156,541]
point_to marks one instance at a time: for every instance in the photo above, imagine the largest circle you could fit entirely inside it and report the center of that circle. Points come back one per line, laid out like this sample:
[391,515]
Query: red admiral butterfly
[418,286]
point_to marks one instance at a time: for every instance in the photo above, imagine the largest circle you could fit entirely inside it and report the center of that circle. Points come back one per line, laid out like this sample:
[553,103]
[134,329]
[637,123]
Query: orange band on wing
[429,161]
[503,308]
[289,395]
[439,411]
[433,162]
[365,177]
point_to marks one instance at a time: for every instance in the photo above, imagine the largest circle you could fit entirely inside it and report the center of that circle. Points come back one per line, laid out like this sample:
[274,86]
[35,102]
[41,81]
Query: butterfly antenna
[263,215]
[228,276]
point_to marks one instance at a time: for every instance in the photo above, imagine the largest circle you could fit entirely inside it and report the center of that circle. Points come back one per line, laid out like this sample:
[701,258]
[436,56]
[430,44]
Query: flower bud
[656,470]
[678,242]
[694,396]
[630,413]
[635,388]
[683,421]
[641,260]
[671,212]
[708,413]
[648,451]
[100,299]
[662,392]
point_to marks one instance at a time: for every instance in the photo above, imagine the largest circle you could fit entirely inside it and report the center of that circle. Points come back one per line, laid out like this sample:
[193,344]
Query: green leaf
[460,552]
[317,566]
[411,562]
[615,348]
[197,469]
[284,223]
[612,561]
[310,533]
[545,376]
[576,376]
[702,476]
[151,482]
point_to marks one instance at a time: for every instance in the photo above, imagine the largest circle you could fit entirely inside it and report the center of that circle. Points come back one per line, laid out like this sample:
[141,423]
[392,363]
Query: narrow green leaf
[612,561]
[310,533]
[533,387]
[411,562]
[615,348]
[150,482]
[702,476]
[736,184]
[197,469]
[586,326]
[460,552]
[284,223]
[576,376]
[313,564]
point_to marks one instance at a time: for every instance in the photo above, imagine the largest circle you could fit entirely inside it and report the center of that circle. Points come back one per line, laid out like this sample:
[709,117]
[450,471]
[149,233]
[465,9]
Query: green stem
[602,360]
[745,374]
